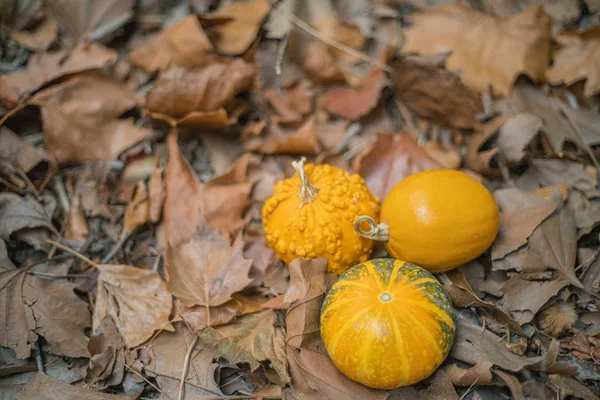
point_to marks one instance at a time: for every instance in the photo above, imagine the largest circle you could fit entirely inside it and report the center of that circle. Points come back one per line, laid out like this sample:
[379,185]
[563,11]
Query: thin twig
[115,248]
[186,366]
[333,43]
[147,381]
[71,251]
[588,149]
[37,353]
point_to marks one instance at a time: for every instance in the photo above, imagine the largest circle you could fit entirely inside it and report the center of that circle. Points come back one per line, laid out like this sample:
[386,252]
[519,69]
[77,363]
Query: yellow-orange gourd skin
[439,219]
[325,226]
[387,323]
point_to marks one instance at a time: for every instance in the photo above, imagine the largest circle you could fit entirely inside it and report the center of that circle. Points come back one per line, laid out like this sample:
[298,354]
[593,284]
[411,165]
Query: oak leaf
[578,59]
[490,51]
[206,270]
[136,299]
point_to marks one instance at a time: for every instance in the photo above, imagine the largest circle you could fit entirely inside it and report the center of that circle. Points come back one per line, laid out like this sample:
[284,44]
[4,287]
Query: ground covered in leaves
[140,140]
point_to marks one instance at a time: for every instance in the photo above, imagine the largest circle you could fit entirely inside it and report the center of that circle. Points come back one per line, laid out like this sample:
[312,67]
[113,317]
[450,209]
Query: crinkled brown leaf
[353,104]
[235,36]
[486,50]
[156,193]
[136,299]
[206,270]
[522,213]
[44,387]
[182,208]
[482,149]
[19,216]
[33,307]
[277,277]
[302,141]
[138,210]
[107,356]
[320,64]
[181,91]
[429,90]
[22,154]
[570,387]
[250,338]
[77,130]
[40,38]
[391,158]
[523,298]
[578,59]
[182,44]
[557,126]
[226,197]
[314,376]
[77,227]
[544,172]
[479,374]
[45,67]
[197,319]
[516,134]
[262,256]
[306,292]
[462,295]
[513,384]
[167,355]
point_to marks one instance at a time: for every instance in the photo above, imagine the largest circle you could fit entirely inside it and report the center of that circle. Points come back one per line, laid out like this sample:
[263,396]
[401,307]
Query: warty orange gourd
[387,323]
[311,215]
[438,219]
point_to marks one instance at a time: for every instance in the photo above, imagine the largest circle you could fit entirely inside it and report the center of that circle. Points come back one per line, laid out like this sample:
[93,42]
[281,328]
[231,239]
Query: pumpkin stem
[379,232]
[308,192]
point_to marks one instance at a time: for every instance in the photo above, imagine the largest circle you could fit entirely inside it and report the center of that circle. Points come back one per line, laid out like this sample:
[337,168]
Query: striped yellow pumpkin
[387,323]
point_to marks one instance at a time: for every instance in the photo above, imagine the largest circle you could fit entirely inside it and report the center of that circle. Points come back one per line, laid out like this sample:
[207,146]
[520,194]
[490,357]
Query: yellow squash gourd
[387,323]
[312,215]
[438,219]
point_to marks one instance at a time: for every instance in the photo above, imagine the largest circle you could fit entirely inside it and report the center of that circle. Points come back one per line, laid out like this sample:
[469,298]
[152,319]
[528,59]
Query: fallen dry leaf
[565,386]
[45,67]
[515,135]
[277,277]
[197,319]
[557,172]
[138,210]
[77,227]
[23,155]
[429,90]
[182,209]
[479,374]
[486,50]
[320,64]
[512,382]
[482,153]
[462,295]
[226,197]
[206,270]
[557,126]
[583,346]
[285,113]
[353,104]
[344,32]
[306,292]
[107,356]
[391,158]
[302,141]
[250,338]
[136,299]
[31,217]
[182,44]
[578,59]
[167,355]
[235,36]
[314,376]
[40,38]
[156,195]
[523,298]
[44,387]
[32,307]
[181,91]
[76,130]
[522,212]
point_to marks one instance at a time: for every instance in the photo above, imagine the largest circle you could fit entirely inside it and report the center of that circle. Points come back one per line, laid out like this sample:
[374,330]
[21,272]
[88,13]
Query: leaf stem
[73,252]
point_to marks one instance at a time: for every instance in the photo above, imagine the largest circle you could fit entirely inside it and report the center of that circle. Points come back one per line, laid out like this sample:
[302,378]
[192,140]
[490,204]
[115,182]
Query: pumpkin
[387,323]
[311,215]
[438,219]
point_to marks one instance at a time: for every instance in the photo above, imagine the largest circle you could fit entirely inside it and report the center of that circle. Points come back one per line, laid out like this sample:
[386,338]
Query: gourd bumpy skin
[439,219]
[387,323]
[323,227]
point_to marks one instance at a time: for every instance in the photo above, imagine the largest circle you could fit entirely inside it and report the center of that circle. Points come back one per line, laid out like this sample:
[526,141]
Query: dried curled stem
[308,192]
[379,232]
